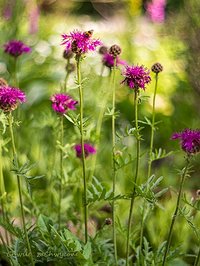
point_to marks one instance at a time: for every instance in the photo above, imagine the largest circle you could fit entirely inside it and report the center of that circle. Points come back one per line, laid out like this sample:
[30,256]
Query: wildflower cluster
[88,149]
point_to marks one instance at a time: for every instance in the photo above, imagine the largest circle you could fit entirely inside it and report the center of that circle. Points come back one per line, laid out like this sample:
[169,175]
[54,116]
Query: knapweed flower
[190,140]
[136,77]
[88,148]
[108,60]
[10,98]
[61,103]
[80,42]
[156,10]
[16,48]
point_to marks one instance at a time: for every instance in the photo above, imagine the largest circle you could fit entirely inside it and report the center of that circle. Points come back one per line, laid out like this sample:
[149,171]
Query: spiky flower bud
[103,50]
[3,82]
[67,54]
[108,221]
[115,50]
[157,68]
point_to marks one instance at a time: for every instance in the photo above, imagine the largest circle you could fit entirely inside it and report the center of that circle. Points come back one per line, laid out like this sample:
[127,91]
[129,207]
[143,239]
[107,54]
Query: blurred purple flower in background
[136,77]
[108,60]
[156,10]
[61,103]
[89,149]
[16,48]
[34,19]
[80,42]
[10,98]
[190,140]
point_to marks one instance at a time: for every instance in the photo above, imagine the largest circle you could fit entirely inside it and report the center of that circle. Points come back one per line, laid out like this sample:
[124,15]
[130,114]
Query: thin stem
[79,81]
[150,156]
[175,212]
[10,121]
[113,161]
[66,76]
[61,170]
[15,79]
[152,127]
[196,263]
[3,193]
[136,175]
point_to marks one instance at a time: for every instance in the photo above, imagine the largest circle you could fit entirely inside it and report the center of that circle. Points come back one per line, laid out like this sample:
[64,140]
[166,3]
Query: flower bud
[157,68]
[115,50]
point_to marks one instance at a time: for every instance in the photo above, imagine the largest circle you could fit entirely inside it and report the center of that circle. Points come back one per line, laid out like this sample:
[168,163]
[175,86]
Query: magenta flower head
[89,149]
[80,42]
[10,98]
[61,103]
[136,77]
[189,139]
[16,48]
[108,60]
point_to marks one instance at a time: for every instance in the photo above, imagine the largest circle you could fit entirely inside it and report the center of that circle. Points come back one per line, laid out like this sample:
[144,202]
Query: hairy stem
[82,148]
[175,212]
[10,121]
[136,175]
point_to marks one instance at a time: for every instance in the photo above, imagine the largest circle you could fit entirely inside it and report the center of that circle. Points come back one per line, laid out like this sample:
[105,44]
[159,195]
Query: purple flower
[108,60]
[61,103]
[156,10]
[190,140]
[16,48]
[80,42]
[89,149]
[136,77]
[10,98]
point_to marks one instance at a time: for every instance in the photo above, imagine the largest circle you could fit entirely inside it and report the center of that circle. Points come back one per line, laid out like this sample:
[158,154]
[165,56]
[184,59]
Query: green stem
[15,79]
[196,263]
[175,212]
[150,156]
[3,193]
[82,148]
[113,161]
[136,175]
[66,77]
[10,121]
[152,127]
[61,170]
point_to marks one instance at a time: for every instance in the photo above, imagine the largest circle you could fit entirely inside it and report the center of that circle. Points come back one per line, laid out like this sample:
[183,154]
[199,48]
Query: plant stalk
[10,121]
[79,81]
[136,174]
[175,212]
[196,263]
[61,170]
[113,161]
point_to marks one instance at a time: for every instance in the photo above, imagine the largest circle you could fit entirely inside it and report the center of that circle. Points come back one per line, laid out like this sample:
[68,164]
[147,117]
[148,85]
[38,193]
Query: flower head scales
[61,103]
[80,42]
[136,77]
[16,48]
[88,148]
[189,139]
[10,98]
